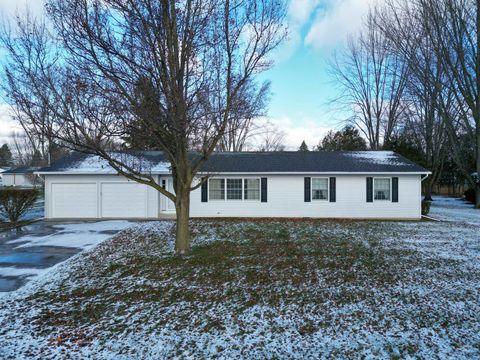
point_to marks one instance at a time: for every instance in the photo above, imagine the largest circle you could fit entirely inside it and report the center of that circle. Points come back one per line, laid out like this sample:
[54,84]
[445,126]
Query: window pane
[216,189]
[382,189]
[234,189]
[319,189]
[252,189]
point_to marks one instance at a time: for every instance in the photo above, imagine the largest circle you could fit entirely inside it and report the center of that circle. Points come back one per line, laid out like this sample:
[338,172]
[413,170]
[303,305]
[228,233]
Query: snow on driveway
[77,235]
[43,245]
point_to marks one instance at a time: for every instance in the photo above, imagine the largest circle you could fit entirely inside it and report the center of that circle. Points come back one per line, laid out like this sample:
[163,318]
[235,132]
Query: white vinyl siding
[319,188]
[286,199]
[80,196]
[382,189]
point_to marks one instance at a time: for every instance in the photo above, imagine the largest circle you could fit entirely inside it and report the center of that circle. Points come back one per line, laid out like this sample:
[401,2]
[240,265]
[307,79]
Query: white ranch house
[360,185]
[22,176]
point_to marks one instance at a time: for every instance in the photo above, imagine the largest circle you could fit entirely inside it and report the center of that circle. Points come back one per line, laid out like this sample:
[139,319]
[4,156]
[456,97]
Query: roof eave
[246,172]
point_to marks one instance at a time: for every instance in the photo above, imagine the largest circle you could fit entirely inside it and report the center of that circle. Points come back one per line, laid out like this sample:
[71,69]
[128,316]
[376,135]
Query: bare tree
[246,113]
[38,133]
[178,67]
[371,79]
[271,138]
[407,29]
[455,32]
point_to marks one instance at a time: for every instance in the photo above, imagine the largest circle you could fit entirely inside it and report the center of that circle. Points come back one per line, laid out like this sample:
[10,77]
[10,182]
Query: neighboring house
[1,171]
[22,176]
[380,185]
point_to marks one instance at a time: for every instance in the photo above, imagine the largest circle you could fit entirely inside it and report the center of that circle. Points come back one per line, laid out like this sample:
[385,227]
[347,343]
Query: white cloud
[335,21]
[298,15]
[7,124]
[298,131]
[300,11]
[10,7]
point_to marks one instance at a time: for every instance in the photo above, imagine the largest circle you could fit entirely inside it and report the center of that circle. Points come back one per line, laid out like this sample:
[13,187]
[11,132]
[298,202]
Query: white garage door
[124,200]
[74,200]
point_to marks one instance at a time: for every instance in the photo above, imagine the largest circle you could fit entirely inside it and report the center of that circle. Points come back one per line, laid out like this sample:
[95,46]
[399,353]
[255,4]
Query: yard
[260,289]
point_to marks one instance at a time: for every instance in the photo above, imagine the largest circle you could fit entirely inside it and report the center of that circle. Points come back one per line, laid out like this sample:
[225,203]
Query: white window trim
[373,189]
[328,189]
[224,189]
[259,189]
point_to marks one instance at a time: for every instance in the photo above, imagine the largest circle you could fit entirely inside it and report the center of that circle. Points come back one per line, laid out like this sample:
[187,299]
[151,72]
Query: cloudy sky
[301,88]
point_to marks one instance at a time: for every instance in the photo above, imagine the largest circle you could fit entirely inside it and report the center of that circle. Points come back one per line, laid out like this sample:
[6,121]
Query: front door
[170,205]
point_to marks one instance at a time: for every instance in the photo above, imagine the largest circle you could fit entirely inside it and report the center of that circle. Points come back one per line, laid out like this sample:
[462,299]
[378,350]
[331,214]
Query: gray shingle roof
[22,170]
[261,162]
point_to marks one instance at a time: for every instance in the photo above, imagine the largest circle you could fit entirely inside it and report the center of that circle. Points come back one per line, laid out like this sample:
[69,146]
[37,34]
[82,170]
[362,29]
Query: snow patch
[454,210]
[13,271]
[79,235]
[377,157]
[96,164]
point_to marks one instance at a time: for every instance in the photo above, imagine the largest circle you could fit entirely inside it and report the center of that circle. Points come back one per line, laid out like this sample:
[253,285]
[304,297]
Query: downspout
[421,213]
[424,177]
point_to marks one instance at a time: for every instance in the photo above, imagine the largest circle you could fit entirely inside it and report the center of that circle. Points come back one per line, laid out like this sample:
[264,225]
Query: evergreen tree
[303,146]
[5,156]
[347,139]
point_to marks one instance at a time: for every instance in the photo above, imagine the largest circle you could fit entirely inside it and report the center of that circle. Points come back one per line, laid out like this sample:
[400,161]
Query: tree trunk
[428,190]
[477,178]
[182,207]
[477,196]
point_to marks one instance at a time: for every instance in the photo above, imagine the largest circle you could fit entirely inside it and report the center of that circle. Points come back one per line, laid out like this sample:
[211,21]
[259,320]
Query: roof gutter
[251,173]
[426,176]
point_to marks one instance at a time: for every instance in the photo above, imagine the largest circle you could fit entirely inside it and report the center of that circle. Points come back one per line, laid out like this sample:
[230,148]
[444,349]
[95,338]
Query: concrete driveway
[29,251]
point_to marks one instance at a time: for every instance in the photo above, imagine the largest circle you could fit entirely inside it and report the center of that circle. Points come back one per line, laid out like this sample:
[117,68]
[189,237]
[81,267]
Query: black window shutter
[369,189]
[333,189]
[307,189]
[205,190]
[264,189]
[394,189]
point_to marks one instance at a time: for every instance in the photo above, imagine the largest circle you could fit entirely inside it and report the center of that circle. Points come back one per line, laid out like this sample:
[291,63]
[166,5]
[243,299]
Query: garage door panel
[74,200]
[123,200]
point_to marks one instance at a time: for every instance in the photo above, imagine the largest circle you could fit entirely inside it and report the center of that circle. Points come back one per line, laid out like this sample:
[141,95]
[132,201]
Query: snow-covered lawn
[258,289]
[451,209]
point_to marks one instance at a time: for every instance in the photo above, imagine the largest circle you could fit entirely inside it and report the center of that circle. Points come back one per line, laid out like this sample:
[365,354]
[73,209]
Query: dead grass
[135,281]
[263,264]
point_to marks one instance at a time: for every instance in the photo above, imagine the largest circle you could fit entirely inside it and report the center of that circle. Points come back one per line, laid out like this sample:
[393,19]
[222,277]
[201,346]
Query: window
[216,189]
[252,189]
[234,189]
[381,189]
[319,188]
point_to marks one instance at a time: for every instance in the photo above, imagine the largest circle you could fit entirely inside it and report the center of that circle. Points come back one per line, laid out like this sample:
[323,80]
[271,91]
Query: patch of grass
[273,264]
[237,267]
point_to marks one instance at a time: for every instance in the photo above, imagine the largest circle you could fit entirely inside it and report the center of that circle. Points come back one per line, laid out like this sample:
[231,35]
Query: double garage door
[98,200]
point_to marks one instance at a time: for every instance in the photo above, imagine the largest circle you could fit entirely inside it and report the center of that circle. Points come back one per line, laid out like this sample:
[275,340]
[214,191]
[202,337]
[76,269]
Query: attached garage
[99,196]
[123,200]
[82,195]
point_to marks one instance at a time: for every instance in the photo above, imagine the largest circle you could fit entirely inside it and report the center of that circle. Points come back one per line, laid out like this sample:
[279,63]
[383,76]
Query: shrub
[14,203]
[426,207]
[470,195]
